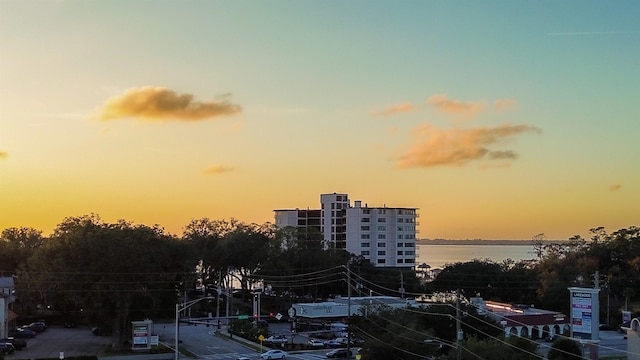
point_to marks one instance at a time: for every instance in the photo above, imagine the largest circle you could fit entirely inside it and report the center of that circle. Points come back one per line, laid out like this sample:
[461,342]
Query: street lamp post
[186,305]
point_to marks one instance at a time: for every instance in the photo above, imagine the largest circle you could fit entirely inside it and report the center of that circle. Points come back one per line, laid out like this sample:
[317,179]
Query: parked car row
[7,348]
[18,344]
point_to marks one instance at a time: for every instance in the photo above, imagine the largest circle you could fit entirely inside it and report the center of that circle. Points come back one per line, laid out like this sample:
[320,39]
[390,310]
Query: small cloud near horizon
[457,147]
[217,169]
[615,187]
[395,109]
[4,154]
[160,103]
[442,103]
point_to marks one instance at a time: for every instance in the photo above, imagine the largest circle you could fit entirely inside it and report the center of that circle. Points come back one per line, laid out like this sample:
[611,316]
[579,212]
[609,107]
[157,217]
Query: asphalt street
[56,340]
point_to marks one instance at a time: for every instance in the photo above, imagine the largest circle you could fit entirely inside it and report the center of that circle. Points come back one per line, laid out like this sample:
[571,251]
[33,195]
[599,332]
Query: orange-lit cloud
[395,109]
[159,103]
[615,187]
[457,147]
[217,169]
[4,155]
[442,103]
[504,104]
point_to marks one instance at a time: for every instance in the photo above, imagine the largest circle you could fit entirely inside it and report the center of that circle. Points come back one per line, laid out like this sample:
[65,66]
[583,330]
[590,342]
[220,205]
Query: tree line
[112,273]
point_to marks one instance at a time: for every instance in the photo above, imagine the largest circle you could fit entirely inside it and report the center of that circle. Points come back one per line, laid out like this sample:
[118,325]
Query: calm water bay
[437,256]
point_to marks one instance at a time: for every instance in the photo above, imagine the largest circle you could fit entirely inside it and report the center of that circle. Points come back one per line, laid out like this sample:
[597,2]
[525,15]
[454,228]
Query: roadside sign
[243,317]
[278,316]
[261,337]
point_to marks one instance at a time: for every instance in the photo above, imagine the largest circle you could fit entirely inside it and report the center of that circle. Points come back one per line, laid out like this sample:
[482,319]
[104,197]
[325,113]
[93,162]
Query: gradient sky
[497,119]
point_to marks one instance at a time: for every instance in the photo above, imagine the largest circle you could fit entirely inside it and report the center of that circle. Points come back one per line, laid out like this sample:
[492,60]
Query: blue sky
[498,119]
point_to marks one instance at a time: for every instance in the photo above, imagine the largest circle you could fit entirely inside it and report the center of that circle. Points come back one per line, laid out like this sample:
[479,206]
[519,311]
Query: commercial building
[386,236]
[7,317]
[525,321]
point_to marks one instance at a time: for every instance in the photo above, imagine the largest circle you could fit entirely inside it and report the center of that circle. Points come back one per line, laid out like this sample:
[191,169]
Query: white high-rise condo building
[386,236]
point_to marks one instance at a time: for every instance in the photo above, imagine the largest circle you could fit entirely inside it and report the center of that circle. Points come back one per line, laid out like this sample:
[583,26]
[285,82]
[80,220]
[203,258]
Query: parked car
[23,334]
[19,344]
[277,339]
[243,358]
[315,343]
[338,353]
[273,354]
[7,348]
[38,327]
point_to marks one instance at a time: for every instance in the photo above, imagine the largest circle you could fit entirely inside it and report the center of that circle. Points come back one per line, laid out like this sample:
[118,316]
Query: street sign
[261,337]
[278,316]
[243,317]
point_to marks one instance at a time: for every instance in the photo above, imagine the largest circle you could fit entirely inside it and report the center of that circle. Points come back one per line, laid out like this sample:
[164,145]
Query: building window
[364,252]
[382,253]
[399,228]
[382,236]
[381,244]
[339,206]
[366,211]
[408,252]
[364,236]
[409,245]
[365,219]
[364,228]
[381,261]
[365,244]
[400,253]
[400,220]
[399,244]
[409,236]
[382,219]
[410,228]
[407,261]
[399,236]
[382,228]
[399,261]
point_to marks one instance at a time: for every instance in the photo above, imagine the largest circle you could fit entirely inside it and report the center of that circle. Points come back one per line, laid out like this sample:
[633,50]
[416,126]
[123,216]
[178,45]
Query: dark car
[38,327]
[338,353]
[23,334]
[19,344]
[7,348]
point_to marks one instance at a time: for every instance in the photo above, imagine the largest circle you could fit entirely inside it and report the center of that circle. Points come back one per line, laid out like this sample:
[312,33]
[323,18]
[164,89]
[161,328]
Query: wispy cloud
[457,147]
[159,103]
[217,169]
[615,187]
[504,104]
[3,155]
[442,103]
[395,109]
[586,33]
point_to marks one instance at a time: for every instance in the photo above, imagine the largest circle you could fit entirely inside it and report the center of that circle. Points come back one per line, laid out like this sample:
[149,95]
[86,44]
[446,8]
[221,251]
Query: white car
[315,343]
[273,354]
[276,339]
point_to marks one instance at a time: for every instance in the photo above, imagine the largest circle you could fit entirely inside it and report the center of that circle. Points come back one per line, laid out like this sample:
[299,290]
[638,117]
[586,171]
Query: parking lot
[56,340]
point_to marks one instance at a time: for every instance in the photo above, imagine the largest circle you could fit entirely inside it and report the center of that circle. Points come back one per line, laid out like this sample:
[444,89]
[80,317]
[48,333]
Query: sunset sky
[497,119]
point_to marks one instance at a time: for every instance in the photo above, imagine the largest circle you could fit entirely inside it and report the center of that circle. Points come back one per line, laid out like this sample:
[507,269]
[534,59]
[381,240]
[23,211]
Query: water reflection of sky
[437,256]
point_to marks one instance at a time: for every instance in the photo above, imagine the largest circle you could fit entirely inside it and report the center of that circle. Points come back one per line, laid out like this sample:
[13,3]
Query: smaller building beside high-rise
[386,236]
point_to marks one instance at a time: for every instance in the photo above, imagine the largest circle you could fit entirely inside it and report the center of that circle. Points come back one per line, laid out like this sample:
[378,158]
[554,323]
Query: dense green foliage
[565,349]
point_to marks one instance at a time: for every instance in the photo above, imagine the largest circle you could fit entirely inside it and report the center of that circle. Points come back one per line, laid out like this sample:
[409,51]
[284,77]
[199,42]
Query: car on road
[315,343]
[338,353]
[38,327]
[332,344]
[243,358]
[19,344]
[273,354]
[276,339]
[7,348]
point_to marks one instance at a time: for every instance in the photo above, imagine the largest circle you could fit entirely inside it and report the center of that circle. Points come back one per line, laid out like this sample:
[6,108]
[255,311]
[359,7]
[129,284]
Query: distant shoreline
[482,242]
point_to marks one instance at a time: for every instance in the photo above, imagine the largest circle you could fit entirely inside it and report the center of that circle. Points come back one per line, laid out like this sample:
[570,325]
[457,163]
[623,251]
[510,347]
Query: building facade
[386,236]
[6,298]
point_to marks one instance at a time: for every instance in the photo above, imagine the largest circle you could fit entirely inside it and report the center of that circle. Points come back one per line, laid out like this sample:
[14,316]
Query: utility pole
[348,309]
[401,285]
[458,329]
